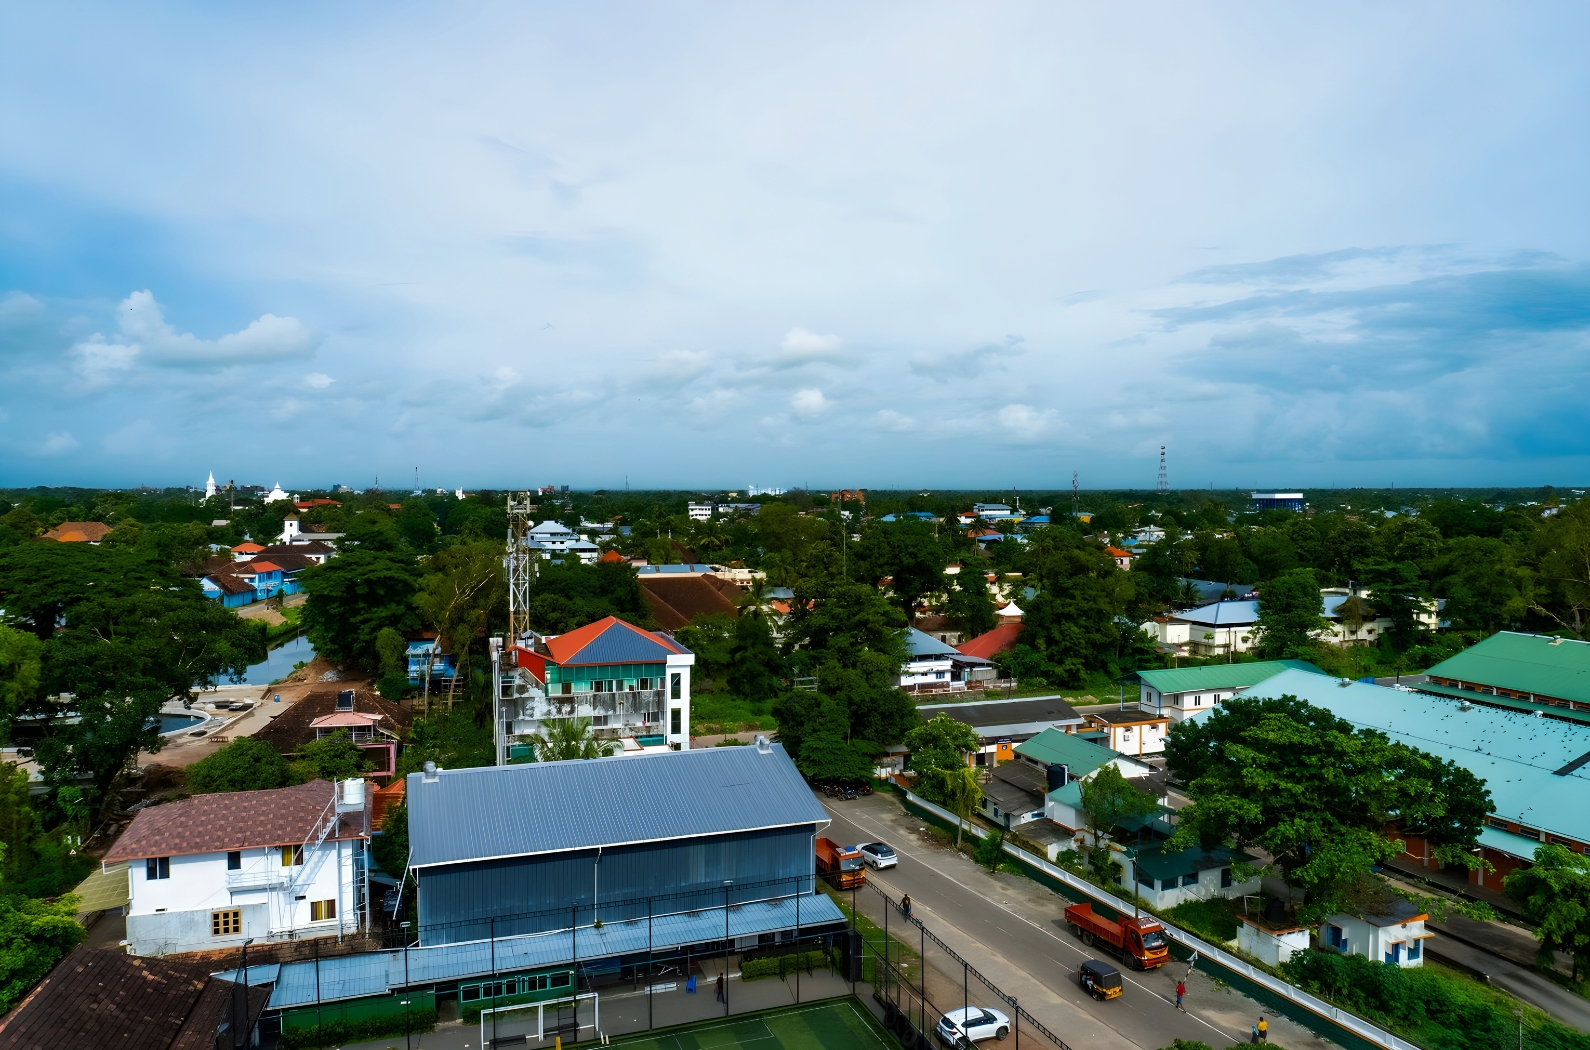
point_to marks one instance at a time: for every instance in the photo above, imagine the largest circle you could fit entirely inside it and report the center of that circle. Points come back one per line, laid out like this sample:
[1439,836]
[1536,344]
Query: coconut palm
[572,738]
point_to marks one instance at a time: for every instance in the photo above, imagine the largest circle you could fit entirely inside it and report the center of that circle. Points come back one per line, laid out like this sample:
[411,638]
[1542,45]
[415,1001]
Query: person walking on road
[1263,1028]
[905,905]
[1181,990]
[720,988]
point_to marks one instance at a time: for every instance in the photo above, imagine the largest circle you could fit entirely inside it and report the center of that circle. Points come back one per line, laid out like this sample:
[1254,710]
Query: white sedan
[879,856]
[972,1024]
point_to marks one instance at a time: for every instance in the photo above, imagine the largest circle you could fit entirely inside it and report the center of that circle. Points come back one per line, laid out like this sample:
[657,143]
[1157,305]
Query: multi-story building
[631,683]
[1186,692]
[211,871]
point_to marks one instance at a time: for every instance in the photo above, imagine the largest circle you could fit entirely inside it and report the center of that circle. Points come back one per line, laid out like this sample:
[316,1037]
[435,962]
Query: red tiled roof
[1000,639]
[247,548]
[260,565]
[339,719]
[385,798]
[611,556]
[678,602]
[78,532]
[1116,552]
[228,821]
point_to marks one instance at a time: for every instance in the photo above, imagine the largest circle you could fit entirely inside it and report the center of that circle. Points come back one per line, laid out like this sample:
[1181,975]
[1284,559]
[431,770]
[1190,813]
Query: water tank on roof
[352,795]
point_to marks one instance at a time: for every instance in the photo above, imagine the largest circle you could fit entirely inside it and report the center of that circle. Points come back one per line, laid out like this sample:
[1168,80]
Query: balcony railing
[268,879]
[630,702]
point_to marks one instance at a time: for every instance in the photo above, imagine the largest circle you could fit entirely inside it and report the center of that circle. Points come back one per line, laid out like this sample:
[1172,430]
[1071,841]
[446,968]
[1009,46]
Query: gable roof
[95,997]
[1006,715]
[247,547]
[1000,639]
[1527,663]
[294,727]
[230,820]
[1223,614]
[1052,746]
[920,644]
[227,583]
[677,601]
[612,641]
[78,532]
[1217,676]
[729,789]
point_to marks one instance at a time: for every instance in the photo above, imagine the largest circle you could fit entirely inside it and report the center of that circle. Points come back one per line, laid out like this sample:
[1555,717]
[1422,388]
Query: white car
[972,1024]
[878,856]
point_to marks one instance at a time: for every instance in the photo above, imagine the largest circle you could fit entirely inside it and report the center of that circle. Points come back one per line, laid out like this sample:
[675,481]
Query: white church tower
[209,486]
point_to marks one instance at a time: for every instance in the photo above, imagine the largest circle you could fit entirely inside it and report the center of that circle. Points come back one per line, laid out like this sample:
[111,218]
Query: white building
[1226,627]
[276,494]
[210,871]
[1132,730]
[553,539]
[699,511]
[1168,879]
[1392,931]
[209,486]
[1186,692]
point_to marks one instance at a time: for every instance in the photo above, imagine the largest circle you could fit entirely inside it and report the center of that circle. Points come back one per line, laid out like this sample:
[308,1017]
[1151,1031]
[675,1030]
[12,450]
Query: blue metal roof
[376,973]
[621,644]
[545,807]
[1523,760]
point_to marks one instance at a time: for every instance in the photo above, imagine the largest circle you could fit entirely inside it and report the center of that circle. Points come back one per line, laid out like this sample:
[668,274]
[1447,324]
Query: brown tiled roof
[215,1005]
[676,602]
[294,728]
[229,820]
[78,532]
[297,549]
[102,998]
[230,584]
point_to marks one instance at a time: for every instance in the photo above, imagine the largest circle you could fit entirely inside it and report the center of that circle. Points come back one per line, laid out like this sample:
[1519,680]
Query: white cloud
[889,419]
[18,308]
[98,361]
[800,347]
[809,403]
[143,323]
[320,380]
[58,443]
[1025,419]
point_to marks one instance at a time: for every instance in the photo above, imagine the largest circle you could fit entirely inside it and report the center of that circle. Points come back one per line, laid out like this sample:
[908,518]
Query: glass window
[560,980]
[292,856]
[157,868]
[675,685]
[1190,880]
[322,910]
[468,992]
[226,923]
[234,860]
[1414,949]
[1225,878]
[674,721]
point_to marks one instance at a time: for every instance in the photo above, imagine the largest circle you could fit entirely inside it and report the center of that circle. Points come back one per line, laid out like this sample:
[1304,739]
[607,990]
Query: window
[673,720]
[1190,880]
[226,923]
[675,686]
[1395,955]
[1414,949]
[292,856]
[560,980]
[468,992]
[1198,701]
[234,860]
[322,910]
[1225,878]
[157,868]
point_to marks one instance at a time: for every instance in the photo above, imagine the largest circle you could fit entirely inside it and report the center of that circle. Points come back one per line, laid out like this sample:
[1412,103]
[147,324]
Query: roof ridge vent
[429,774]
[763,744]
[1555,641]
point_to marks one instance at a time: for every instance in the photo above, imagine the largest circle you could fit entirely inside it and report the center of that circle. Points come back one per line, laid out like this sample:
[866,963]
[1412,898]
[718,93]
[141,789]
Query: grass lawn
[837,1023]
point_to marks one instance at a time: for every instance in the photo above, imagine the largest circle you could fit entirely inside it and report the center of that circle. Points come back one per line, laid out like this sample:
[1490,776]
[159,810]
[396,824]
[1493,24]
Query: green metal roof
[1051,745]
[1521,846]
[1152,861]
[1491,700]
[1218,676]
[1530,663]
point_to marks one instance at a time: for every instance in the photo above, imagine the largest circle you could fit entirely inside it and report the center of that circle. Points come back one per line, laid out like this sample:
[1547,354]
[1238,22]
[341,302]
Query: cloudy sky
[727,244]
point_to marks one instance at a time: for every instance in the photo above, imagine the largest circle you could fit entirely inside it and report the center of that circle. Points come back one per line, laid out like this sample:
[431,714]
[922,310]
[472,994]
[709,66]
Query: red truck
[840,866]
[1140,942]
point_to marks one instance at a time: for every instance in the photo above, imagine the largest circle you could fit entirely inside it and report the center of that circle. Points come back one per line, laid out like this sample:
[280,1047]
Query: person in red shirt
[1181,990]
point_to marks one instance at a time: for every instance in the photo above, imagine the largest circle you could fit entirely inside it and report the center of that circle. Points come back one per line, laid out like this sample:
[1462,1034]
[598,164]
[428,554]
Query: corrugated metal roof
[1521,846]
[1218,676]
[545,807]
[1529,663]
[612,641]
[375,973]
[1517,755]
[1051,745]
[1493,700]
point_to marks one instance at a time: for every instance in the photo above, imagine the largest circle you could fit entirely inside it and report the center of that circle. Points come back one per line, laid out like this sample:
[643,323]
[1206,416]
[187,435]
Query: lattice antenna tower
[1076,497]
[1163,485]
[521,564]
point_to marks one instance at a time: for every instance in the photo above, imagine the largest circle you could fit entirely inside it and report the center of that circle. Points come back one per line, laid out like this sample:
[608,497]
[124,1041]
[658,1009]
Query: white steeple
[209,486]
[276,494]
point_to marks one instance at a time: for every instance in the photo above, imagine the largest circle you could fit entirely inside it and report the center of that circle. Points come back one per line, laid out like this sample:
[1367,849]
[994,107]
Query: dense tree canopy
[356,595]
[245,764]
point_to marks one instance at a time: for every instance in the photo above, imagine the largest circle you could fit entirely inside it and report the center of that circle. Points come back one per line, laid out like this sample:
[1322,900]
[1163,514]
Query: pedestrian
[1264,1029]
[1181,990]
[721,999]
[1255,1038]
[905,905]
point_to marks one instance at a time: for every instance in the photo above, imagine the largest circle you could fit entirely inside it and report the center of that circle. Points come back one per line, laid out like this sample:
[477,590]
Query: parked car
[879,855]
[972,1024]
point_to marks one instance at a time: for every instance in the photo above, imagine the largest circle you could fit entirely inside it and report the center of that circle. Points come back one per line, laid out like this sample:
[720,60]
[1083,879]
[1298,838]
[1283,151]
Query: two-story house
[210,871]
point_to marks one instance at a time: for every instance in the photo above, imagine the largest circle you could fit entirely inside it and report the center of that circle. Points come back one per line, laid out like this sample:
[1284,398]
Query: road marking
[1049,933]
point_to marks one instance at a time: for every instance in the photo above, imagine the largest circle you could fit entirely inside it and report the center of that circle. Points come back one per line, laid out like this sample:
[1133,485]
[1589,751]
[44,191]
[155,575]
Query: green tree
[246,764]
[463,593]
[34,936]
[968,604]
[1070,630]
[353,596]
[21,671]
[963,795]
[1399,595]
[909,553]
[1565,569]
[826,756]
[756,667]
[334,757]
[392,651]
[1290,611]
[939,747]
[416,523]
[391,844]
[1107,800]
[572,738]
[1302,785]
[1554,895]
[853,641]
[566,595]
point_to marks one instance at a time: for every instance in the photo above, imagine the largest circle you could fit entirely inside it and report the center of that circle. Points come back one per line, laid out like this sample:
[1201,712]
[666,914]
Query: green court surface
[837,1023]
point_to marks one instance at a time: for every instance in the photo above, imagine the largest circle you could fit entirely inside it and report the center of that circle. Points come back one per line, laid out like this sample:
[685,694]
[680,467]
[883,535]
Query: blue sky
[942,245]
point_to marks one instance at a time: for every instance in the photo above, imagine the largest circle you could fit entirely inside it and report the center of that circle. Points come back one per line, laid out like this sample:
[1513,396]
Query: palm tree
[964,794]
[754,598]
[572,738]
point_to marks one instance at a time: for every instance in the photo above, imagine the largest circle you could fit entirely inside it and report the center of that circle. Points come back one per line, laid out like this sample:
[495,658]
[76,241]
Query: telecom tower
[1163,484]
[521,565]
[1076,498]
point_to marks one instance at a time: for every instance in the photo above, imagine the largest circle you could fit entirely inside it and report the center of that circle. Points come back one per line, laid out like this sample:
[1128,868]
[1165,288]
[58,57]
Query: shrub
[1213,919]
[336,1033]
[780,965]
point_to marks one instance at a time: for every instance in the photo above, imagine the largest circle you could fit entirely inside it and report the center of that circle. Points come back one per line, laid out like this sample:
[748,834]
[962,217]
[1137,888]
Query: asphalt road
[1013,930]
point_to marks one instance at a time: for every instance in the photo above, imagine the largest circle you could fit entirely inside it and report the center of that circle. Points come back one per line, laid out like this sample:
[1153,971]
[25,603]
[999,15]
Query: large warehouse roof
[1528,663]
[547,807]
[1536,768]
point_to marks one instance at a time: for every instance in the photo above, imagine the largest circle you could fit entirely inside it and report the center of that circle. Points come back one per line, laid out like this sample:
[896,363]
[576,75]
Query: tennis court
[837,1023]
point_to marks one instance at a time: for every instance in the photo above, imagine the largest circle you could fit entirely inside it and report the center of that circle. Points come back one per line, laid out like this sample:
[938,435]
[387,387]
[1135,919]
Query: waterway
[279,664]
